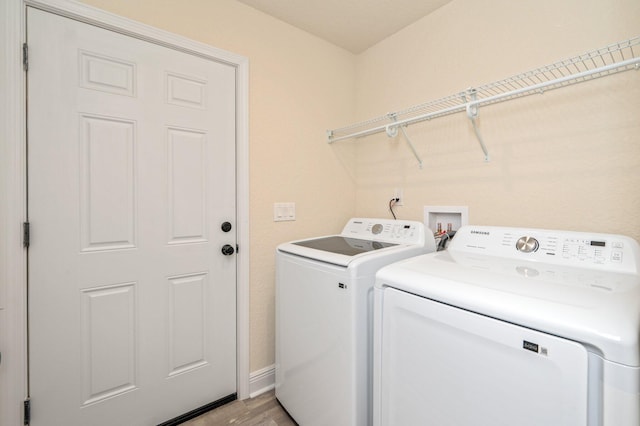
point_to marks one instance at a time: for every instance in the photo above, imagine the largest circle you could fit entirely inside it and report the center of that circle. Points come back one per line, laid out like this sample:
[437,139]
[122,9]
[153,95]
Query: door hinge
[27,411]
[26,234]
[25,56]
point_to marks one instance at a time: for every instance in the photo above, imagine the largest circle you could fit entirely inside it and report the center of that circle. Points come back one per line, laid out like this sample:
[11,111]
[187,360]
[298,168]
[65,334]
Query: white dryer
[324,317]
[510,327]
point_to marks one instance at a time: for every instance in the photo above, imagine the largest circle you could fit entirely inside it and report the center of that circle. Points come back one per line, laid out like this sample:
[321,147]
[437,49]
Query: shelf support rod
[415,153]
[472,113]
[392,131]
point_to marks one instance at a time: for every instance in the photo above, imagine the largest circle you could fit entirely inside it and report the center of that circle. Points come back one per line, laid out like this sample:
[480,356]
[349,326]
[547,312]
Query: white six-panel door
[131,157]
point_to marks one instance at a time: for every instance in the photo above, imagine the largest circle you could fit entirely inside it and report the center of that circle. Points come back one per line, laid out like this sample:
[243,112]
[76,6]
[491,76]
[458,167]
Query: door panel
[131,172]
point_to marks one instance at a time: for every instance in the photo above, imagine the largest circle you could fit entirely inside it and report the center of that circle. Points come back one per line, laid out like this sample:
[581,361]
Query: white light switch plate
[284,211]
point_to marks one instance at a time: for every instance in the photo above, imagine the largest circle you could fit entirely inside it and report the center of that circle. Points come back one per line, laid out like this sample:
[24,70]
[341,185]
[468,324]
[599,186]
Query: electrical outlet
[397,193]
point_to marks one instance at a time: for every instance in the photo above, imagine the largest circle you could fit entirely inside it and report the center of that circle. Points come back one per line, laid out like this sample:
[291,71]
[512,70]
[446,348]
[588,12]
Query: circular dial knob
[377,228]
[527,244]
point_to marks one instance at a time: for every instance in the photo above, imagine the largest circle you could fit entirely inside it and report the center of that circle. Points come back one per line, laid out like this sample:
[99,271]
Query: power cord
[392,202]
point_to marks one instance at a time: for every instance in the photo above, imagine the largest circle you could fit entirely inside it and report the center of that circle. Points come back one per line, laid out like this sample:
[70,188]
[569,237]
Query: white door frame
[13,261]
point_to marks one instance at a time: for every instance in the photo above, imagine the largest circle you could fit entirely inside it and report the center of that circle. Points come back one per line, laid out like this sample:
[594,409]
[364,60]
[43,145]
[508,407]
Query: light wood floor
[263,410]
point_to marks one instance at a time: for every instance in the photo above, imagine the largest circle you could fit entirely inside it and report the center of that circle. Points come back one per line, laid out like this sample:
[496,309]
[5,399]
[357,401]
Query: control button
[616,256]
[527,244]
[377,228]
[617,244]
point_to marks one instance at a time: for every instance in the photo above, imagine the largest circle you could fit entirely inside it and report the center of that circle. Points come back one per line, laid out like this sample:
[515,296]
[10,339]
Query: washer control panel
[396,231]
[602,251]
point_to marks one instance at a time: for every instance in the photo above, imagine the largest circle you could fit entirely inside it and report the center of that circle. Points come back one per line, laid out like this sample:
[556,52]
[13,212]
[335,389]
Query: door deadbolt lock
[226,227]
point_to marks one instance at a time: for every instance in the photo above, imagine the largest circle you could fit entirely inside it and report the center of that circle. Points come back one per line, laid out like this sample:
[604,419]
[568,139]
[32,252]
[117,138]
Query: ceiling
[354,25]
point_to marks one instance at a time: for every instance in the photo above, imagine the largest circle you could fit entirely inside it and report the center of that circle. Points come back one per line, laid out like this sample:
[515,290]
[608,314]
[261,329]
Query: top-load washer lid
[583,287]
[344,245]
[363,237]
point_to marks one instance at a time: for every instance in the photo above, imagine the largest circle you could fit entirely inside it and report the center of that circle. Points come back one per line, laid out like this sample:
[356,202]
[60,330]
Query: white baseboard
[261,381]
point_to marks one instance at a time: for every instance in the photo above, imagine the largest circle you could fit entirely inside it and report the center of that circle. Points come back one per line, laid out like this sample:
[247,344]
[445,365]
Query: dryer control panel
[602,251]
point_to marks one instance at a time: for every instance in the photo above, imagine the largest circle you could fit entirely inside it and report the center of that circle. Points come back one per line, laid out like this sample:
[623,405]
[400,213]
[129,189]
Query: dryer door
[441,365]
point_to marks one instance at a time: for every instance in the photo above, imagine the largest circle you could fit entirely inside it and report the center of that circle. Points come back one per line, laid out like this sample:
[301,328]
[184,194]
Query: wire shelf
[612,59]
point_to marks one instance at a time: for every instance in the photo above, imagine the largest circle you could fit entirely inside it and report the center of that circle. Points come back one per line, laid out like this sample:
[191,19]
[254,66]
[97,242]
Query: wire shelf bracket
[609,60]
[472,113]
[392,132]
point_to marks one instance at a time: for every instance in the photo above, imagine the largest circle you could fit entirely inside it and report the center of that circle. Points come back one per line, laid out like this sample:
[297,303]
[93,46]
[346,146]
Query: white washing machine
[510,327]
[324,315]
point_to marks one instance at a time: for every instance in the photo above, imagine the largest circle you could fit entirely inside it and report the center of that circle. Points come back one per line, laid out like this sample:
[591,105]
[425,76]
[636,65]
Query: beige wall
[568,159]
[299,87]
